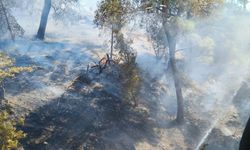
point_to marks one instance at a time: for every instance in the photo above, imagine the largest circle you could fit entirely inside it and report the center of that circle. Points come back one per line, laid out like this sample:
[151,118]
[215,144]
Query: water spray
[208,132]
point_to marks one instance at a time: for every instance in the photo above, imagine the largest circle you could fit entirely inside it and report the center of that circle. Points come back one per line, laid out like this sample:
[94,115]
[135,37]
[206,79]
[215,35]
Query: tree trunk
[177,81]
[171,38]
[44,19]
[7,21]
[245,5]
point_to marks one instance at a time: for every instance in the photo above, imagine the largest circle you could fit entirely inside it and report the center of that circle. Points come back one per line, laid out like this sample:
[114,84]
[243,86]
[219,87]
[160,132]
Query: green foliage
[179,7]
[9,135]
[7,68]
[112,13]
[131,81]
[174,17]
[126,53]
[176,13]
[203,7]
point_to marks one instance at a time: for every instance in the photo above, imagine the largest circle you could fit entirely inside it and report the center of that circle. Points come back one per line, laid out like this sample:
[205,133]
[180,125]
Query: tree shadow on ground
[89,117]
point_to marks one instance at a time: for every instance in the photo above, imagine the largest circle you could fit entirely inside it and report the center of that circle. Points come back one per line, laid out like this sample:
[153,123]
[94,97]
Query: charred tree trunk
[177,81]
[44,19]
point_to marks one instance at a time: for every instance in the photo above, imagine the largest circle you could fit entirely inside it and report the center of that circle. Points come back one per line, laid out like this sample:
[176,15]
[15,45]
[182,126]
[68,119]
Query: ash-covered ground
[68,108]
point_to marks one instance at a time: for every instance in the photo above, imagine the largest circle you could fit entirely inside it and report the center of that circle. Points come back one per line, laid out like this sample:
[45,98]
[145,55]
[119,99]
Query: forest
[124,75]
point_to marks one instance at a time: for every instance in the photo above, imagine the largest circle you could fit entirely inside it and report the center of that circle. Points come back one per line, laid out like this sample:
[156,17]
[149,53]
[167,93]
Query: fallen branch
[102,64]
